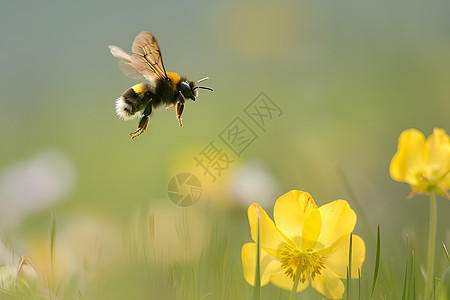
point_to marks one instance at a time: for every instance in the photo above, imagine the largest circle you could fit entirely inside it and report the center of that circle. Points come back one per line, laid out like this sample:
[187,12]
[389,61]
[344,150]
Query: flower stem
[295,285]
[431,243]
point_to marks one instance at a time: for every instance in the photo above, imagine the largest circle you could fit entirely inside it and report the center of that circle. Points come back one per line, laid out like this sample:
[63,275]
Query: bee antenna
[203,79]
[206,88]
[203,87]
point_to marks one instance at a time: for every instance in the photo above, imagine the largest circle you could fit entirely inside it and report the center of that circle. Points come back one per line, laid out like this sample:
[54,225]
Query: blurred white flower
[84,246]
[252,183]
[34,184]
[5,254]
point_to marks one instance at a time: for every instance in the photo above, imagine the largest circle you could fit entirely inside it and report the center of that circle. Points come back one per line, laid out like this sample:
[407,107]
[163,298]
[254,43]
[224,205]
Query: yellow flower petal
[411,157]
[445,183]
[439,164]
[286,283]
[270,237]
[311,230]
[269,265]
[290,212]
[336,260]
[439,145]
[328,284]
[338,219]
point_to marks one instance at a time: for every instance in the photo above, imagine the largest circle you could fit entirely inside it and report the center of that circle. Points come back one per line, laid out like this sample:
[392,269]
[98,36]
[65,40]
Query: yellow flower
[424,165]
[305,238]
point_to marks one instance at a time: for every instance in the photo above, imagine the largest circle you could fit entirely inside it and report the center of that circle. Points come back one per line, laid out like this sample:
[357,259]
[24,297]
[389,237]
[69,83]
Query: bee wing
[129,70]
[147,58]
[125,62]
[119,53]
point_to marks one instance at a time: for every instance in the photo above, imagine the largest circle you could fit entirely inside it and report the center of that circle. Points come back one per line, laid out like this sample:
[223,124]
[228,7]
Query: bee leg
[169,107]
[143,123]
[141,127]
[180,108]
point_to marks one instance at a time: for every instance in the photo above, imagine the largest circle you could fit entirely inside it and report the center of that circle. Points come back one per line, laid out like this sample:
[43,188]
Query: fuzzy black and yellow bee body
[133,101]
[162,88]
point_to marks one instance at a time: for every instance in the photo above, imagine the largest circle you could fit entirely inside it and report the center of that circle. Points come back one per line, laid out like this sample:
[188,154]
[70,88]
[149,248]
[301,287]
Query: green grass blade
[206,295]
[194,282]
[347,295]
[444,290]
[257,286]
[359,284]
[405,280]
[433,292]
[446,252]
[414,286]
[411,272]
[377,262]
[382,265]
[349,269]
[405,277]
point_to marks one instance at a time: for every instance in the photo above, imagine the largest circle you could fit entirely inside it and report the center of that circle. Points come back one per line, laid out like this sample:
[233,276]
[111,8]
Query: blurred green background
[350,76]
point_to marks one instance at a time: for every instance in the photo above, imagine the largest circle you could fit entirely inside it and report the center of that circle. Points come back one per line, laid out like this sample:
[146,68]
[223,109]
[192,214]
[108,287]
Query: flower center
[308,263]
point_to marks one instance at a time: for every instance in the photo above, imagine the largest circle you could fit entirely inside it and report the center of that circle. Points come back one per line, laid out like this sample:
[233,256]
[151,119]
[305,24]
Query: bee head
[189,89]
[194,87]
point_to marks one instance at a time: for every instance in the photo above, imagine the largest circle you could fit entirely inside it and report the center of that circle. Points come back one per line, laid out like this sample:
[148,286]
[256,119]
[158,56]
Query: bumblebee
[162,88]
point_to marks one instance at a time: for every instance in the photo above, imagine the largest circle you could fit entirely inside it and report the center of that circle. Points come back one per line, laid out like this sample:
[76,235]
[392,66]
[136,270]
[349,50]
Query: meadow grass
[215,272]
[144,270]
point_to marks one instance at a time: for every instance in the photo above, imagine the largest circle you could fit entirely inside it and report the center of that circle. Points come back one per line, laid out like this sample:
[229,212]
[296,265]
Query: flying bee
[162,88]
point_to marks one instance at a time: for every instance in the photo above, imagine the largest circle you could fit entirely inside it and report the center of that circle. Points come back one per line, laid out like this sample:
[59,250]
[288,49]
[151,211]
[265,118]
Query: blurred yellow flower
[424,165]
[311,240]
